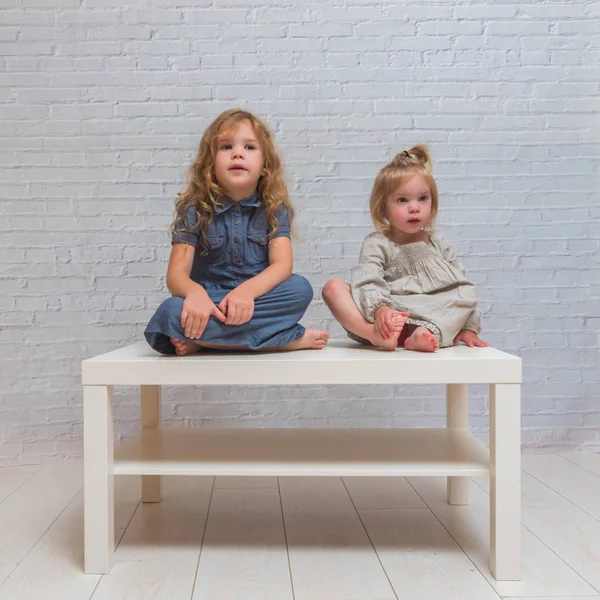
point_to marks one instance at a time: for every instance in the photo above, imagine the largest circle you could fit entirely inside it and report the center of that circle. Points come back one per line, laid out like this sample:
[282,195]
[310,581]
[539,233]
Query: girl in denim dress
[230,270]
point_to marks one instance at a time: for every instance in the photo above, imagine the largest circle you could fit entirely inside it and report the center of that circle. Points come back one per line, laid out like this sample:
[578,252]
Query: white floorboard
[421,559]
[543,572]
[354,539]
[30,510]
[156,580]
[572,534]
[8,470]
[586,460]
[331,556]
[382,492]
[127,497]
[533,492]
[182,488]
[561,598]
[244,552]
[10,482]
[5,571]
[246,482]
[169,530]
[576,484]
[53,570]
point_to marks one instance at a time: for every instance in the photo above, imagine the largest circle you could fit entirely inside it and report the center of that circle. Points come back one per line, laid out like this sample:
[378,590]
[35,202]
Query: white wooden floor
[300,538]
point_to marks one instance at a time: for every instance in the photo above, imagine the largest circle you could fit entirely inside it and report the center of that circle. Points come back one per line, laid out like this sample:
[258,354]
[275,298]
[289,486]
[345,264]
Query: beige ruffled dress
[425,279]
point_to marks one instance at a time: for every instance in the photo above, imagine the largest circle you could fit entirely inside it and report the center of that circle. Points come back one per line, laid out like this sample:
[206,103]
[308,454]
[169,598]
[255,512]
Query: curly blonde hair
[406,164]
[203,190]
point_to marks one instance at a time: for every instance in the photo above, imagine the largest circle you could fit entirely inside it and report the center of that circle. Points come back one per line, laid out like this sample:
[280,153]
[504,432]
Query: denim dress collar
[225,202]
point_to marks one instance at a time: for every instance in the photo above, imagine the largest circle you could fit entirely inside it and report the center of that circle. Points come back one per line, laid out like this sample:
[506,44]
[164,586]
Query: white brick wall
[102,107]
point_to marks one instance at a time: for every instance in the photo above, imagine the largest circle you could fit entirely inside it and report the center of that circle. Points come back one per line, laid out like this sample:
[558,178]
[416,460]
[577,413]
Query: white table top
[341,362]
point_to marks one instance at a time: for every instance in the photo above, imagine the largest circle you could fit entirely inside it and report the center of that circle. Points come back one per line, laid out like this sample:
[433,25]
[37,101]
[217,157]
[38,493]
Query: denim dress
[237,250]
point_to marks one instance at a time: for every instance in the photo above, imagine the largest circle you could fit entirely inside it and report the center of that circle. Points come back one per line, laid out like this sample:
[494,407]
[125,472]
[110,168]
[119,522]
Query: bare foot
[422,340]
[182,348]
[390,343]
[313,339]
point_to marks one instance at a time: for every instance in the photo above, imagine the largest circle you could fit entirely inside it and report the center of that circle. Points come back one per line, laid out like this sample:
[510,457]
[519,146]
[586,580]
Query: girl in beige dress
[408,288]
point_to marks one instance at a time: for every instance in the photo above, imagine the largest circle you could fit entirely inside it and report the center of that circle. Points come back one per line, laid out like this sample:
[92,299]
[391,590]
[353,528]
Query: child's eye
[425,198]
[250,147]
[400,200]
[225,147]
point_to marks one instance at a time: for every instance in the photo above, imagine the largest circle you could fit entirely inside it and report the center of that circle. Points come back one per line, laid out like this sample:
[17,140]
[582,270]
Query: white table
[452,451]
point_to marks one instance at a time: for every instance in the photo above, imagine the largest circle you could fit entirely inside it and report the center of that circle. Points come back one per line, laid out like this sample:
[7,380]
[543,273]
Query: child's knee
[333,289]
[173,307]
[302,289]
[298,291]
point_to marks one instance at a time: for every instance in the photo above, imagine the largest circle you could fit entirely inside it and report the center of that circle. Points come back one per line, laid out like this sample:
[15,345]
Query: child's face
[239,160]
[408,208]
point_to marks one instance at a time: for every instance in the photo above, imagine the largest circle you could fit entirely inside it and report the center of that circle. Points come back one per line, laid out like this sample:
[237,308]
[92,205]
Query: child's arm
[179,269]
[238,305]
[370,290]
[185,240]
[279,269]
[197,305]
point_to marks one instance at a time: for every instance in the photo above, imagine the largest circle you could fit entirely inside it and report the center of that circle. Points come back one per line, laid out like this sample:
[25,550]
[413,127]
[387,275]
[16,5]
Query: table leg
[98,449]
[457,417]
[505,481]
[151,418]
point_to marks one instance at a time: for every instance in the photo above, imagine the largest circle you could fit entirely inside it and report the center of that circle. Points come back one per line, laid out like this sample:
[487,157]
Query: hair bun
[420,153]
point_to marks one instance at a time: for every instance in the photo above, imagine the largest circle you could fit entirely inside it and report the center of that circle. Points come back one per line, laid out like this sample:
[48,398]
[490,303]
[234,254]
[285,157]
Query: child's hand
[238,305]
[388,321]
[470,339]
[197,309]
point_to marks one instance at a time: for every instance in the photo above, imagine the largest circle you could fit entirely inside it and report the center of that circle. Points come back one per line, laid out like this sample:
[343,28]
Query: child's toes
[180,347]
[431,341]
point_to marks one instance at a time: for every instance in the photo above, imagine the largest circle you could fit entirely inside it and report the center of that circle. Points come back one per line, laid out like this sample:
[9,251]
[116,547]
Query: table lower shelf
[284,452]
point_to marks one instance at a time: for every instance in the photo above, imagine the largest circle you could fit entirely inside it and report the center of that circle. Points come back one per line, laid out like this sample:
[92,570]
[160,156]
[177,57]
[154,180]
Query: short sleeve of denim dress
[236,248]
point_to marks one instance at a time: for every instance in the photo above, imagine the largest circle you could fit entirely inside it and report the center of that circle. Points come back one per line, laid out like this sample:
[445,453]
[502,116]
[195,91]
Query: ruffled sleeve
[370,290]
